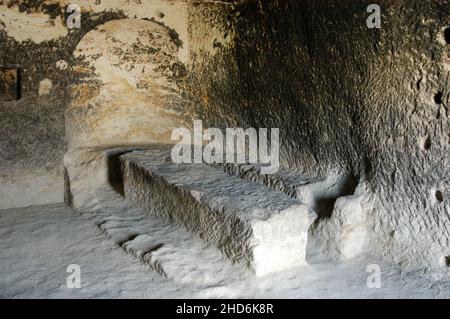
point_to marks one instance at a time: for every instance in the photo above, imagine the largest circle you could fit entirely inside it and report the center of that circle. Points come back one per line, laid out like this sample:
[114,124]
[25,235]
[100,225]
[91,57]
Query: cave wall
[35,38]
[369,103]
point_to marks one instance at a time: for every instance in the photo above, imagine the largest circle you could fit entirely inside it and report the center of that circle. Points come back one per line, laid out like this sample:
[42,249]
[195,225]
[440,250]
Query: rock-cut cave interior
[225,149]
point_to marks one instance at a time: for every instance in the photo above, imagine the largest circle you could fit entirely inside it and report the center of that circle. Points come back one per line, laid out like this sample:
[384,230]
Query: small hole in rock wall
[447,35]
[438,97]
[426,143]
[439,196]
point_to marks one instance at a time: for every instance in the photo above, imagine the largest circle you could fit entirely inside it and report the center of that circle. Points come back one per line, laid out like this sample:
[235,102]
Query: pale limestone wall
[126,89]
[35,37]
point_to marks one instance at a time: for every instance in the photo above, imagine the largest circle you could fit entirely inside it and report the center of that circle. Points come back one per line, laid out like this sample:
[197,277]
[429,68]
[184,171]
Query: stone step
[319,194]
[283,180]
[261,228]
[340,231]
[162,246]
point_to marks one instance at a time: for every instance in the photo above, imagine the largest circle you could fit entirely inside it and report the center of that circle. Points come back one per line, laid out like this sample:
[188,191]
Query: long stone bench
[254,225]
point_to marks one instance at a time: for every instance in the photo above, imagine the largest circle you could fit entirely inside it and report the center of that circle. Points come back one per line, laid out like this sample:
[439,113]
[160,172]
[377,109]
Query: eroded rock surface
[132,95]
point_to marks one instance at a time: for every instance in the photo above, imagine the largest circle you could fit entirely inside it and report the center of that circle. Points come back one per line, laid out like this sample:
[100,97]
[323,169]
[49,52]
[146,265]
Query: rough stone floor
[38,243]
